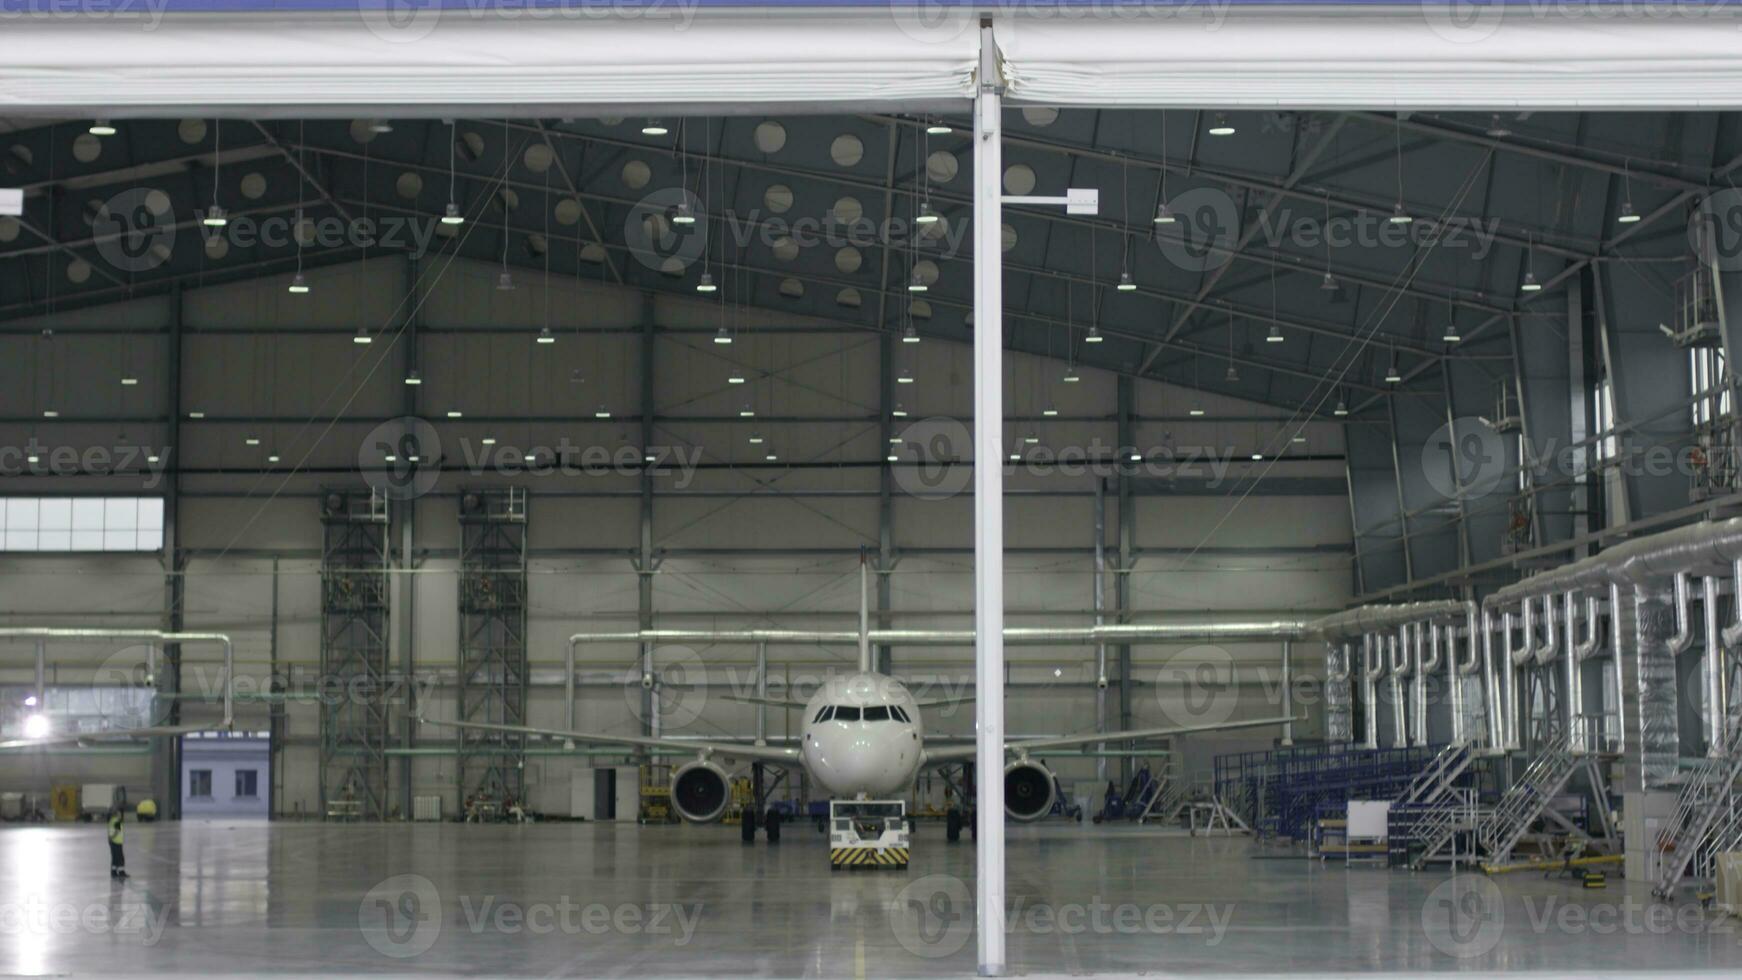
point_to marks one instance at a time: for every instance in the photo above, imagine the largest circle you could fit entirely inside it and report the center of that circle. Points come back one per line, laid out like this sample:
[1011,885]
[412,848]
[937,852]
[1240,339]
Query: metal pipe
[1455,681]
[1714,666]
[1574,694]
[1399,662]
[1112,633]
[1587,647]
[1491,686]
[41,675]
[762,694]
[1288,692]
[1372,668]
[46,633]
[1620,666]
[569,684]
[1683,640]
[1733,632]
[1427,663]
[1527,649]
[1550,647]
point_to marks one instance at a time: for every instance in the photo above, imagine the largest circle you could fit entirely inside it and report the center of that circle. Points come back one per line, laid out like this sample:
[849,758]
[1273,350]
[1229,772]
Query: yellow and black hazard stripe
[868,857]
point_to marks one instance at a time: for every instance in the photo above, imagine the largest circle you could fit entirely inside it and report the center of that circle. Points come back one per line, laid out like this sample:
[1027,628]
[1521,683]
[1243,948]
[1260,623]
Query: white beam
[989,506]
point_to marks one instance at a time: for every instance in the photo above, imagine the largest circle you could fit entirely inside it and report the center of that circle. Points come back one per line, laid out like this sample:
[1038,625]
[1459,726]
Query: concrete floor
[608,900]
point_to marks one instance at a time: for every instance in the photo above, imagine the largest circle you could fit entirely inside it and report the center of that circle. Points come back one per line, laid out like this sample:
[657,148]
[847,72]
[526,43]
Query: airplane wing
[79,738]
[966,753]
[731,750]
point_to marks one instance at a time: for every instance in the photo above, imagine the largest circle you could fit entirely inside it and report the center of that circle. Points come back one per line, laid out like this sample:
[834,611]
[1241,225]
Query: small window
[247,783]
[81,523]
[900,714]
[823,715]
[845,713]
[878,713]
[200,783]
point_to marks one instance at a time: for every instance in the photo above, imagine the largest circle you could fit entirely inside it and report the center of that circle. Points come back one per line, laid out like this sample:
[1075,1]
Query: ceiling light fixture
[1275,335]
[1164,215]
[102,127]
[1125,283]
[1094,336]
[545,336]
[298,285]
[362,336]
[1342,407]
[938,129]
[602,413]
[129,382]
[505,281]
[915,284]
[454,413]
[1222,127]
[747,412]
[755,438]
[1197,412]
[706,285]
[926,215]
[722,337]
[685,214]
[898,411]
[654,127]
[910,335]
[453,216]
[413,378]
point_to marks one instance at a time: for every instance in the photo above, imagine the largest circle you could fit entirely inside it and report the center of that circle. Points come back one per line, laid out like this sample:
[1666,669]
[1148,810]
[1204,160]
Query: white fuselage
[863,737]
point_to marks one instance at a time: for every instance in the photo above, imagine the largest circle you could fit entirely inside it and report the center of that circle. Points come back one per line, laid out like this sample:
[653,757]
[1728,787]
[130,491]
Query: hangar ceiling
[1289,276]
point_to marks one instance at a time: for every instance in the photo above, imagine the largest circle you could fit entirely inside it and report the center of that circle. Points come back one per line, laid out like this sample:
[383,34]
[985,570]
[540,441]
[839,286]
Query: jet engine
[1028,790]
[700,791]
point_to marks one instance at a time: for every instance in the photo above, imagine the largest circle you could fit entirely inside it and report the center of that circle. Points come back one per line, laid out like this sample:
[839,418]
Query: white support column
[989,505]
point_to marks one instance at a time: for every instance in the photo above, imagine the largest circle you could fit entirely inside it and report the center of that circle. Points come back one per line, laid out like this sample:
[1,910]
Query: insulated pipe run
[1506,670]
[1574,687]
[1619,664]
[1372,668]
[1716,710]
[1427,663]
[1491,685]
[1550,647]
[1683,640]
[1399,662]
[1733,632]
[46,633]
[1455,682]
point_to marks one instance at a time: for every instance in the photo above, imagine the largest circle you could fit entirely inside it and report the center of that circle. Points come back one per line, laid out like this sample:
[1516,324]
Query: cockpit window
[823,715]
[877,713]
[899,714]
[845,713]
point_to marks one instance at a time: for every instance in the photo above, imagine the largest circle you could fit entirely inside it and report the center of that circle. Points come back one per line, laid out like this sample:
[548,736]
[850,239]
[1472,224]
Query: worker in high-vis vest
[117,860]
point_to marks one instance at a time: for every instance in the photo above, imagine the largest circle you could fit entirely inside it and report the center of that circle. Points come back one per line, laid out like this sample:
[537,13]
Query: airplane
[863,738]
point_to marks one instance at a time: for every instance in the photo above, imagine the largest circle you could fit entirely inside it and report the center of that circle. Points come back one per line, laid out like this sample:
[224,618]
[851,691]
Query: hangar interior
[399,406]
